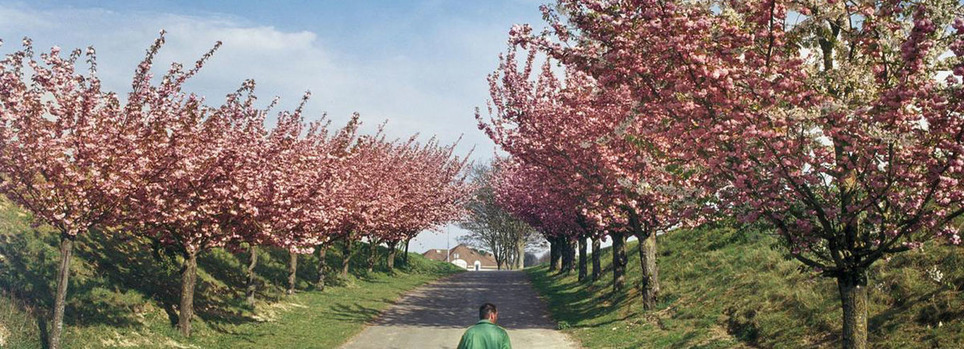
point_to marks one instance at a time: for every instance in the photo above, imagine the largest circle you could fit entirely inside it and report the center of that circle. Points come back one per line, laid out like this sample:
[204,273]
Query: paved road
[435,315]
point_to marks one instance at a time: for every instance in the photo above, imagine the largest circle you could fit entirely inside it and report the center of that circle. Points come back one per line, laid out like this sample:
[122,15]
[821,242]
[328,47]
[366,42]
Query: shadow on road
[454,302]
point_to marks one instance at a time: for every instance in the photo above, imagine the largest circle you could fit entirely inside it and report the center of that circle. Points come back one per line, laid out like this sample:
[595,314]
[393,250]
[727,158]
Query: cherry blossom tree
[596,145]
[189,176]
[291,184]
[419,187]
[436,194]
[524,192]
[187,197]
[66,149]
[361,202]
[268,179]
[330,180]
[848,114]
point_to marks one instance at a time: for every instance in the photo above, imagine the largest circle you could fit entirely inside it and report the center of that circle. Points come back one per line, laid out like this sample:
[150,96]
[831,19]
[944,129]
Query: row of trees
[836,122]
[164,164]
[491,228]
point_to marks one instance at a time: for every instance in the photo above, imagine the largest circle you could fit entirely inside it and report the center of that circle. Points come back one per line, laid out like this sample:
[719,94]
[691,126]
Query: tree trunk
[596,265]
[554,254]
[573,249]
[853,297]
[372,254]
[564,256]
[252,283]
[60,299]
[582,259]
[561,252]
[322,265]
[521,259]
[188,279]
[569,260]
[405,258]
[391,255]
[346,257]
[292,272]
[619,261]
[650,271]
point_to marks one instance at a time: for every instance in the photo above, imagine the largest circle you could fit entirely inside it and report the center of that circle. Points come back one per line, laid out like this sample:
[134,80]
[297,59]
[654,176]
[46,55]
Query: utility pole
[448,246]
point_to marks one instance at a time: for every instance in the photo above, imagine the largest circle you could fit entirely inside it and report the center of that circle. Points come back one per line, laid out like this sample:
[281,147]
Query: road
[435,315]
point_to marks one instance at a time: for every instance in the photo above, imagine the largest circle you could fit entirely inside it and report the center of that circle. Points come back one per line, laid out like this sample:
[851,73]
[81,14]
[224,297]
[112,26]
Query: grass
[124,292]
[729,288]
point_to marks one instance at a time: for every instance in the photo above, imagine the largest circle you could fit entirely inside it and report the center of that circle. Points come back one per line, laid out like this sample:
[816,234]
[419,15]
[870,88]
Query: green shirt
[485,335]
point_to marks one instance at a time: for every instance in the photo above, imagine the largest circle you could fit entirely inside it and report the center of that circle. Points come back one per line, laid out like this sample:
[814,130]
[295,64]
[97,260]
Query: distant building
[465,257]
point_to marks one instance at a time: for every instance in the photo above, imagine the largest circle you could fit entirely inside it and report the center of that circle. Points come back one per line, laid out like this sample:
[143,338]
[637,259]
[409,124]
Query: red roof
[463,252]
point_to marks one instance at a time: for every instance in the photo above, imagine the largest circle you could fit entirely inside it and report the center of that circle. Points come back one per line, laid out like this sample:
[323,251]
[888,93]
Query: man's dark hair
[487,309]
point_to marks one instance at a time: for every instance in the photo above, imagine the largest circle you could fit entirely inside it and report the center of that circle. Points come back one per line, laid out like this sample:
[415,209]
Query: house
[465,257]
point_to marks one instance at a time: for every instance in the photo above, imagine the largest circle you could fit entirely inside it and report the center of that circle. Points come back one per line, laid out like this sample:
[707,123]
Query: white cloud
[18,18]
[283,63]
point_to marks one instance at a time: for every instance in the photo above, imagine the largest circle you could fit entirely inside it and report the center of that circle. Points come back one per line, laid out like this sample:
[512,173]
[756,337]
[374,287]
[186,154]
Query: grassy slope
[725,288]
[123,294]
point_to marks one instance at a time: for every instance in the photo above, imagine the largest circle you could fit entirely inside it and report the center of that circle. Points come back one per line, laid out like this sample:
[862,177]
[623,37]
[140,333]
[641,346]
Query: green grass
[123,292]
[729,288]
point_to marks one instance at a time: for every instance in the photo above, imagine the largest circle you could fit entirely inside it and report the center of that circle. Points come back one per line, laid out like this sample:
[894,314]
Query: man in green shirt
[485,334]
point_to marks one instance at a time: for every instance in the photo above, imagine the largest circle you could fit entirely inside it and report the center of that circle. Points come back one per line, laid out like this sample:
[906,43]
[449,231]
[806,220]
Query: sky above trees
[420,65]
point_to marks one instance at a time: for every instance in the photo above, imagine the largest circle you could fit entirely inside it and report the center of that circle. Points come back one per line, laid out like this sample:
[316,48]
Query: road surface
[435,315]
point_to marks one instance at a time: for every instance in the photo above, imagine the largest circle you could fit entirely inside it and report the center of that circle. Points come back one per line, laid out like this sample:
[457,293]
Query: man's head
[488,312]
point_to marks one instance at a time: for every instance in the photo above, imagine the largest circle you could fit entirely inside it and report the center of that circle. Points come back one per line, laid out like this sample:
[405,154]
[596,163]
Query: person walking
[485,334]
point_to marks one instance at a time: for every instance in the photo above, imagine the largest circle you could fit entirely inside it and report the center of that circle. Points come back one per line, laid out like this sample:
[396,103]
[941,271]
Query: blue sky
[420,65]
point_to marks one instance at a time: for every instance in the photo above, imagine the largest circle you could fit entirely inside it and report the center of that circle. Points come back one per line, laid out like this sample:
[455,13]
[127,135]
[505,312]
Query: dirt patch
[137,340]
[4,334]
[719,334]
[271,312]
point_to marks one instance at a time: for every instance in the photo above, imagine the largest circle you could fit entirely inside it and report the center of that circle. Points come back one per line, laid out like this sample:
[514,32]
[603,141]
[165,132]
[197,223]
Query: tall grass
[124,291]
[730,288]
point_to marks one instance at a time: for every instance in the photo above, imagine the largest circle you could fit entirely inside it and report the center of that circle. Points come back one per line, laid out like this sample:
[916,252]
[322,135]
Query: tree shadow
[127,263]
[28,274]
[884,321]
[121,263]
[226,267]
[28,267]
[354,312]
[44,333]
[454,302]
[116,278]
[575,301]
